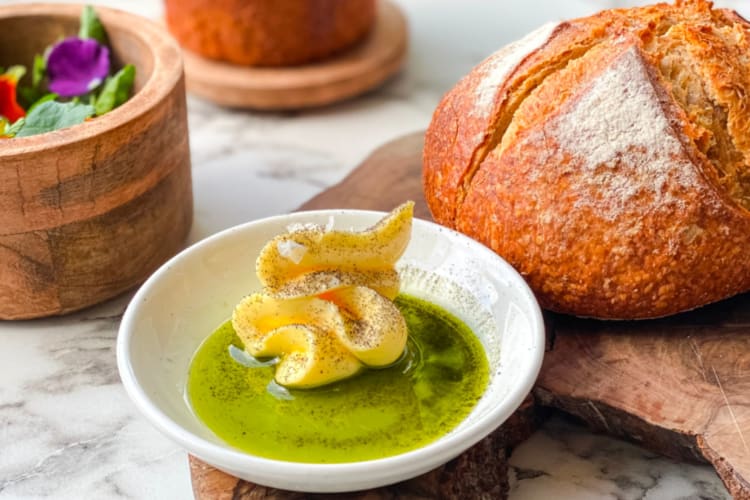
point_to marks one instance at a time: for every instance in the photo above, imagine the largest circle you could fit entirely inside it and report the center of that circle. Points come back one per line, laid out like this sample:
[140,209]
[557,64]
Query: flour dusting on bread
[618,133]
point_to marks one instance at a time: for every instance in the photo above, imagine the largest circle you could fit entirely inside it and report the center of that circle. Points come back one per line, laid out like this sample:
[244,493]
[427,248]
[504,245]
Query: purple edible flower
[75,66]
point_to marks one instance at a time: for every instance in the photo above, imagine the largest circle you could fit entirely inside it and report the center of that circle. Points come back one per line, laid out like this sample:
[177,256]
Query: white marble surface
[67,429]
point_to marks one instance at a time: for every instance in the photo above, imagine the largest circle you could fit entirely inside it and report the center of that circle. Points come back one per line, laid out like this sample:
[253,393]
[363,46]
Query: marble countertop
[67,429]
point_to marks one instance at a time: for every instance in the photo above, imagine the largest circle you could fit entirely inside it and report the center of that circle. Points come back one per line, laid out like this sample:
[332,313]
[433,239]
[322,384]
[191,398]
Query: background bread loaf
[607,158]
[269,32]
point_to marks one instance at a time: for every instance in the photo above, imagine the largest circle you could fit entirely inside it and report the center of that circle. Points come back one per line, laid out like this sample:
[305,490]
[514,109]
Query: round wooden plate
[350,73]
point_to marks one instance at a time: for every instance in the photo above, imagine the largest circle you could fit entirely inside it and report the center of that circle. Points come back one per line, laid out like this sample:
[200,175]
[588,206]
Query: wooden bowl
[90,211]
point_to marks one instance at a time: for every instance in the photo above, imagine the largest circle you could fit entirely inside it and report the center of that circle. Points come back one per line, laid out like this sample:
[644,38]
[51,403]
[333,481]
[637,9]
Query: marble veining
[567,459]
[67,429]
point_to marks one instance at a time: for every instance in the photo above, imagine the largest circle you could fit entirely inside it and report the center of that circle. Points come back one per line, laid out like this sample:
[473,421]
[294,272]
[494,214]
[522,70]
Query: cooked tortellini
[325,309]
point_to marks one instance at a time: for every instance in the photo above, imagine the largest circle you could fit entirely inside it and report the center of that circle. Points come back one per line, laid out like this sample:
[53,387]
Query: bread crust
[269,32]
[600,184]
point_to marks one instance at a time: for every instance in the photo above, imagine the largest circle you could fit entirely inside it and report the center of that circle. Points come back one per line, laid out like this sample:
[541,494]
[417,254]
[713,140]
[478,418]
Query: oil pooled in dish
[430,389]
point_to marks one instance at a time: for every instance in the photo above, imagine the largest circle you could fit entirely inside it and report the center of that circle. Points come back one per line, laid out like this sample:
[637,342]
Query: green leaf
[13,130]
[31,94]
[91,26]
[116,90]
[38,70]
[16,72]
[28,96]
[42,100]
[53,115]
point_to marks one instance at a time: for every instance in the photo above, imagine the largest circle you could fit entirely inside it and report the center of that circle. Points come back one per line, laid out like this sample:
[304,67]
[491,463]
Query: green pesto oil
[378,413]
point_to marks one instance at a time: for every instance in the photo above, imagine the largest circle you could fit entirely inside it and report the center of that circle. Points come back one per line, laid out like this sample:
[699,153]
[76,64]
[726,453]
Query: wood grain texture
[345,75]
[679,386]
[90,211]
[382,182]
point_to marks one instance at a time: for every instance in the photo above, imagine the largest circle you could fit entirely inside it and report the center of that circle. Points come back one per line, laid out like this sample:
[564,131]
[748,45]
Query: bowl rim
[166,73]
[381,471]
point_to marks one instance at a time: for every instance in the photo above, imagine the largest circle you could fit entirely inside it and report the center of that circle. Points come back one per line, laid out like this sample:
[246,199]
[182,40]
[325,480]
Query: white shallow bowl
[187,298]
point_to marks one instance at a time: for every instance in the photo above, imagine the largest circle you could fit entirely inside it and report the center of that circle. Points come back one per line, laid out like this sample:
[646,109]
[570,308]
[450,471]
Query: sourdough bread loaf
[607,158]
[269,32]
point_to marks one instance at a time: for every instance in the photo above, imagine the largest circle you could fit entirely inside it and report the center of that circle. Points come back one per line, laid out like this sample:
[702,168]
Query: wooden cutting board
[679,386]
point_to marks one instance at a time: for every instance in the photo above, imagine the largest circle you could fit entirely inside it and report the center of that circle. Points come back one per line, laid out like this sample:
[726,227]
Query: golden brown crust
[269,32]
[618,182]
